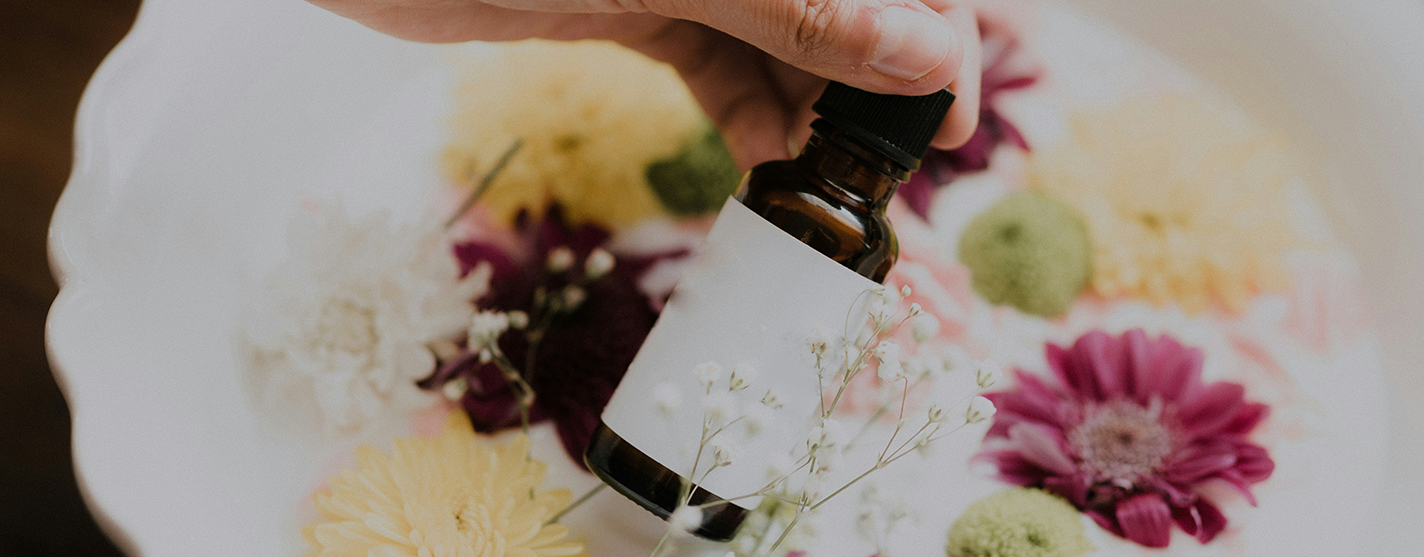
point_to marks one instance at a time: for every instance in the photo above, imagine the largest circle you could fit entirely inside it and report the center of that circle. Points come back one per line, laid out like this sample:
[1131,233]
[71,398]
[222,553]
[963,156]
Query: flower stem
[574,505]
[485,183]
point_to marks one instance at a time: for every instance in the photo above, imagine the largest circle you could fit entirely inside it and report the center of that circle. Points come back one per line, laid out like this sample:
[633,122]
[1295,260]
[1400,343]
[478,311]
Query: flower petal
[1146,519]
[1254,463]
[1200,461]
[1209,410]
[1013,468]
[1175,370]
[1247,418]
[1040,446]
[1212,521]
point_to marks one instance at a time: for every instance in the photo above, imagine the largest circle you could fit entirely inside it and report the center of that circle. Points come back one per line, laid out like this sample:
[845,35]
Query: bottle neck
[853,171]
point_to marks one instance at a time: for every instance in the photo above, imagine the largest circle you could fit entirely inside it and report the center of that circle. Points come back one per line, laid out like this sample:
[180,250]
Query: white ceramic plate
[208,124]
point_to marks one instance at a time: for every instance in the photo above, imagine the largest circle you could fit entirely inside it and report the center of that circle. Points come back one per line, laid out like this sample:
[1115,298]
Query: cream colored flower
[345,325]
[593,115]
[457,495]
[1184,201]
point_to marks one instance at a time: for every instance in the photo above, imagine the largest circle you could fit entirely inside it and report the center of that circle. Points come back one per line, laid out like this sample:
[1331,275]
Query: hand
[756,66]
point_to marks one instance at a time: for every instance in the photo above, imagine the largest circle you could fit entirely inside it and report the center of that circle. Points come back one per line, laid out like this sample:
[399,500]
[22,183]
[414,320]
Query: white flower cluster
[349,321]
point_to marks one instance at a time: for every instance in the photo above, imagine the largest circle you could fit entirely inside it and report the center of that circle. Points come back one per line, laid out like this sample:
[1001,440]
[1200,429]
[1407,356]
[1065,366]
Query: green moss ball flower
[697,179]
[1029,251]
[1018,523]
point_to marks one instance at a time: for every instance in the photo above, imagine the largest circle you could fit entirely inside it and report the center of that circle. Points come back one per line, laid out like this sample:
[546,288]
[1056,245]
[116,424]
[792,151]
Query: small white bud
[724,451]
[770,400]
[599,263]
[667,399]
[817,341]
[924,327]
[573,297]
[708,373]
[888,354]
[687,519]
[560,259]
[815,484]
[485,328]
[518,319]
[905,291]
[486,356]
[980,409]
[938,414]
[988,374]
[742,375]
[454,389]
[915,309]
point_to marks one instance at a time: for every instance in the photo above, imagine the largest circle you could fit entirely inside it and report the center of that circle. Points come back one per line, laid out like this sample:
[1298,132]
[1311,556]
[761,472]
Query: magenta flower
[1127,432]
[1002,72]
[582,355]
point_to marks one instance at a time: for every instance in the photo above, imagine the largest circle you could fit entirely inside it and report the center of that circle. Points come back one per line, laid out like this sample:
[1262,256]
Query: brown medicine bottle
[832,197]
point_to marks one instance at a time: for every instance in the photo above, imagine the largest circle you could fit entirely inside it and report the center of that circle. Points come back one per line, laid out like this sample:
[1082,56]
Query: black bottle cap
[898,126]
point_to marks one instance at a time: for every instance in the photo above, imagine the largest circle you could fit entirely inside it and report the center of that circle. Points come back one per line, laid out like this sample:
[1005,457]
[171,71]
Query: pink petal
[1210,409]
[1212,521]
[1247,419]
[1254,463]
[1101,374]
[1175,369]
[1199,461]
[1187,519]
[1106,522]
[1137,364]
[1013,468]
[1039,446]
[1073,488]
[1239,483]
[1146,519]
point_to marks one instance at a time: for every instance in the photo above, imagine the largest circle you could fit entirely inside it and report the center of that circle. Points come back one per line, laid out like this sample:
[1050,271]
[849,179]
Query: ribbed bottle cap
[898,126]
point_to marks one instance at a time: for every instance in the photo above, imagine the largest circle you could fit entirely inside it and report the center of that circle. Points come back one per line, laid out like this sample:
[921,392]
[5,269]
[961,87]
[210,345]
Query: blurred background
[48,49]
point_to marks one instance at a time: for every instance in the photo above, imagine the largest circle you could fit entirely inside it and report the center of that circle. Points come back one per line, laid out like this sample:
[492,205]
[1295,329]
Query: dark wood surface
[48,50]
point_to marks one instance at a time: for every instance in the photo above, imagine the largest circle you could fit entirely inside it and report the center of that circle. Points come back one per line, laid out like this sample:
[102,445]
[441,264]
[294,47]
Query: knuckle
[816,25]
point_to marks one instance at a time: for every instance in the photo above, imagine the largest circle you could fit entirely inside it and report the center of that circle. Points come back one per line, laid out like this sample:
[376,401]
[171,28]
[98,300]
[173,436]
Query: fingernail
[911,43]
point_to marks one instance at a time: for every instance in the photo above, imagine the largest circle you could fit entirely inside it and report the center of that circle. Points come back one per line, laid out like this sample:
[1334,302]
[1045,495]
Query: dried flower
[1028,251]
[1018,523]
[456,494]
[599,263]
[1197,215]
[724,451]
[583,351]
[980,409]
[924,327]
[350,315]
[770,400]
[560,259]
[742,376]
[686,518]
[1127,432]
[817,341]
[887,353]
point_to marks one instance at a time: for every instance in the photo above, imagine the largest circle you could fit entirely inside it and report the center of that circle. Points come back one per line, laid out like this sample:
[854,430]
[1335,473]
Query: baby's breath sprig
[798,481]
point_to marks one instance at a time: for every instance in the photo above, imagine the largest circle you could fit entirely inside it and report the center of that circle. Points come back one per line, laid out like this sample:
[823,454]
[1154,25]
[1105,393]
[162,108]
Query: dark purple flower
[580,356]
[1002,72]
[1127,431]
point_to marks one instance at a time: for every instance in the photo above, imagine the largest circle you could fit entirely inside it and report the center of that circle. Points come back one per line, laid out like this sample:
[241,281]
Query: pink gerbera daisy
[1128,432]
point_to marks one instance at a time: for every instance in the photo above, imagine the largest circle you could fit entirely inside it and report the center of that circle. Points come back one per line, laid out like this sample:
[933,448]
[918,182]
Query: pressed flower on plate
[583,348]
[1197,217]
[456,495]
[1127,432]
[346,322]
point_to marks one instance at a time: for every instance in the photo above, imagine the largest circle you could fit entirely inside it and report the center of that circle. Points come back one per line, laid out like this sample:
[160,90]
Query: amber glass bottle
[832,197]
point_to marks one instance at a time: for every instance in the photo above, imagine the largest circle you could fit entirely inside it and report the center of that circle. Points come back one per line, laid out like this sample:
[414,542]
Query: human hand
[756,66]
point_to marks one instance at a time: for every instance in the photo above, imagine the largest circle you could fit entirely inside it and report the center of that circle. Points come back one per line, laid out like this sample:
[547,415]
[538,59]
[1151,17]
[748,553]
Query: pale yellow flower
[457,495]
[593,115]
[1184,201]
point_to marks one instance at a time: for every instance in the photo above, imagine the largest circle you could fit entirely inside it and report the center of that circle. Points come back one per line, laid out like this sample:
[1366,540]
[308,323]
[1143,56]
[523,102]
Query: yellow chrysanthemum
[1183,201]
[453,496]
[593,115]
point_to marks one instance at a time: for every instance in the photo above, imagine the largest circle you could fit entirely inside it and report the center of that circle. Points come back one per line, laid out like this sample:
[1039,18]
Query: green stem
[577,502]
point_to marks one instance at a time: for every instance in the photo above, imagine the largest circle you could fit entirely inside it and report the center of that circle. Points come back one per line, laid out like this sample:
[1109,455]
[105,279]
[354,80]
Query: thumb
[888,46]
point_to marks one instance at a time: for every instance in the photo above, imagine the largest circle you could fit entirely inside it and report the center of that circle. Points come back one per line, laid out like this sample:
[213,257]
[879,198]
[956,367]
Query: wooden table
[48,49]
